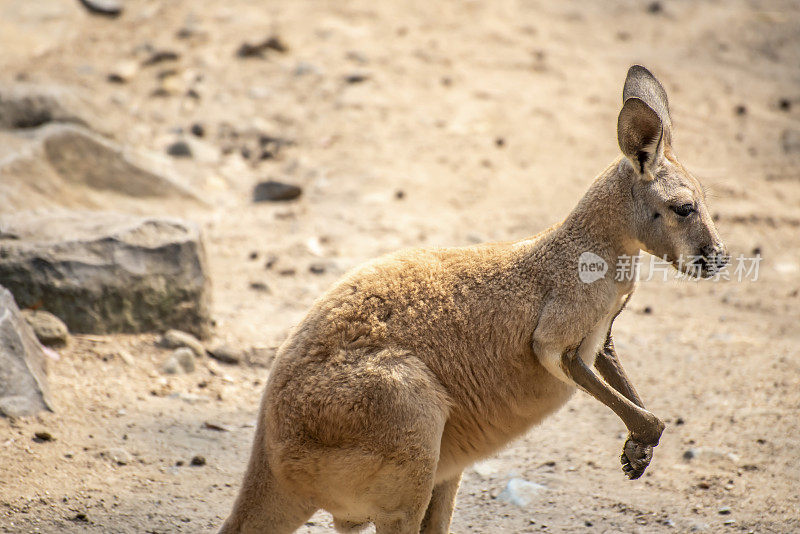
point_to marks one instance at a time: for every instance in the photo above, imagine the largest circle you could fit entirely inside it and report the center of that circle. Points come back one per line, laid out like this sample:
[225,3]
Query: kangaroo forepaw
[635,458]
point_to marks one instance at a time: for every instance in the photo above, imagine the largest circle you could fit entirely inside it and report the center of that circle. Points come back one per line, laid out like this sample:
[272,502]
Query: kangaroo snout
[712,259]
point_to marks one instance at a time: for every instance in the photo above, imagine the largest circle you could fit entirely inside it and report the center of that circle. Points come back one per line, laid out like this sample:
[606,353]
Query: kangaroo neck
[603,217]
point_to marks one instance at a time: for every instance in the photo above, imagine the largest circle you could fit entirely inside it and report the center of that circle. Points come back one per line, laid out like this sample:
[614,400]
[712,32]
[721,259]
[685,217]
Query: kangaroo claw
[635,458]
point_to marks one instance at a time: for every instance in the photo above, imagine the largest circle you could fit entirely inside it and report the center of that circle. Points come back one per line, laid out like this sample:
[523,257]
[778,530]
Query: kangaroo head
[670,218]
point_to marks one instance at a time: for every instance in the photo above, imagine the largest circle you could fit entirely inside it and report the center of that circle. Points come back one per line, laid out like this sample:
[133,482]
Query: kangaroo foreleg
[610,368]
[644,428]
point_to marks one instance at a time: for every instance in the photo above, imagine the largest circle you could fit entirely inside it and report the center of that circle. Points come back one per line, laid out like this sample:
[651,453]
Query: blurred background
[210,167]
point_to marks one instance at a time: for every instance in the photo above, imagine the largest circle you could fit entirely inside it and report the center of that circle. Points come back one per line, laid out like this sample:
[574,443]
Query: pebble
[179,149]
[198,130]
[520,492]
[725,510]
[275,191]
[259,286]
[49,329]
[198,460]
[655,8]
[784,104]
[356,77]
[106,8]
[170,366]
[317,268]
[215,426]
[226,354]
[740,110]
[123,72]
[185,358]
[119,456]
[175,339]
[42,435]
[259,49]
[160,56]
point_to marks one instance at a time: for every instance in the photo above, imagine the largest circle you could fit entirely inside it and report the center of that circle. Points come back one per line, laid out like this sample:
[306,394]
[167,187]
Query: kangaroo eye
[683,210]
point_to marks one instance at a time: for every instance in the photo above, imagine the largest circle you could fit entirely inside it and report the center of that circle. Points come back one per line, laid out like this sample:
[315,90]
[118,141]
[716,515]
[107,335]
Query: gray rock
[170,366]
[520,491]
[28,106]
[49,329]
[185,358]
[226,354]
[179,149]
[175,339]
[68,166]
[272,191]
[107,272]
[23,381]
[106,8]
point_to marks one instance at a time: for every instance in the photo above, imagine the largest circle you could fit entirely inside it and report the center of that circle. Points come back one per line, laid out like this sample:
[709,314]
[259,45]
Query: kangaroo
[417,364]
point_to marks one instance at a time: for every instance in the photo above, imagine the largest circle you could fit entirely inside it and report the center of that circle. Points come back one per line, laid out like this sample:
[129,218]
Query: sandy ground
[472,121]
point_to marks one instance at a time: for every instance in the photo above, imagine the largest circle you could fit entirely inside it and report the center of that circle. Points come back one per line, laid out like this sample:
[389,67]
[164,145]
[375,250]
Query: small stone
[49,329]
[185,358]
[247,50]
[500,142]
[274,191]
[679,421]
[226,354]
[784,104]
[253,255]
[587,523]
[725,510]
[175,339]
[317,268]
[171,366]
[179,149]
[82,517]
[123,72]
[356,77]
[198,460]
[699,527]
[399,194]
[42,435]
[215,426]
[259,286]
[740,110]
[729,522]
[119,456]
[160,56]
[106,8]
[655,8]
[197,130]
[520,492]
[689,454]
[647,310]
[271,261]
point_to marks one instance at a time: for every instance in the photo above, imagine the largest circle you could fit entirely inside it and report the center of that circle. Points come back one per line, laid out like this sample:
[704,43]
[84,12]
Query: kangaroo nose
[716,254]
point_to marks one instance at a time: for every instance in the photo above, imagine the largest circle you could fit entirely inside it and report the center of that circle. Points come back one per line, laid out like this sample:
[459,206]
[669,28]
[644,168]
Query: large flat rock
[70,166]
[23,380]
[107,272]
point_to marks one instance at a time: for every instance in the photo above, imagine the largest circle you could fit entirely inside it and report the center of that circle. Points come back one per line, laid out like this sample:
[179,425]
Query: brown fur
[417,364]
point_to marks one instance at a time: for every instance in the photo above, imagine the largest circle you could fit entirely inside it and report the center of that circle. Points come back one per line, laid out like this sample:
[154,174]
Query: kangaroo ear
[640,134]
[640,83]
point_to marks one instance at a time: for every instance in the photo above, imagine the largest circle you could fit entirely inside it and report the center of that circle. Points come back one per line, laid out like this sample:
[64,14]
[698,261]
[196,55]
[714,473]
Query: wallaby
[419,363]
